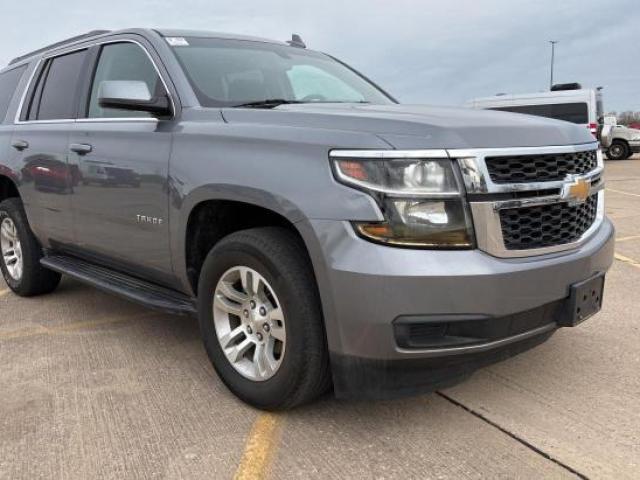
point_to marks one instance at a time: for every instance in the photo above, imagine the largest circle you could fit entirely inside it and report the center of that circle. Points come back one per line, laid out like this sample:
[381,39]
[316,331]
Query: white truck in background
[569,102]
[572,103]
[622,142]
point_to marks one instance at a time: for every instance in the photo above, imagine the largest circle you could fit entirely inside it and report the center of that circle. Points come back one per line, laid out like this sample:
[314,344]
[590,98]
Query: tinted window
[57,90]
[8,83]
[123,61]
[569,112]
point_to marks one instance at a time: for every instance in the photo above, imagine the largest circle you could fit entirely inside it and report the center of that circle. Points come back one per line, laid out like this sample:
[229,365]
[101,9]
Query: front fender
[282,169]
[270,201]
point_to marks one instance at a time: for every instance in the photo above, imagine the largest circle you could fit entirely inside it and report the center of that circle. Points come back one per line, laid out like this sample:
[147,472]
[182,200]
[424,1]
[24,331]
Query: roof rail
[77,38]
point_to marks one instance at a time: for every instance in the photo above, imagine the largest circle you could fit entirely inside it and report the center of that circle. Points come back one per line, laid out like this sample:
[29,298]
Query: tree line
[626,118]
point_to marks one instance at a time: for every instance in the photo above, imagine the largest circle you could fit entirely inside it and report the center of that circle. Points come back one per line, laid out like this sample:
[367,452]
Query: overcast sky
[437,52]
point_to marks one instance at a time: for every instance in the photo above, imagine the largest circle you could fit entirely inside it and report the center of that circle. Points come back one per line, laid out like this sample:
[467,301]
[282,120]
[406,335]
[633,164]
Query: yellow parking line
[625,239]
[622,192]
[41,330]
[628,260]
[260,448]
[4,292]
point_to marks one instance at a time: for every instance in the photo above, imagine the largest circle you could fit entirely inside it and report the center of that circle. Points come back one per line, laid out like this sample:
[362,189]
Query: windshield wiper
[269,103]
[274,102]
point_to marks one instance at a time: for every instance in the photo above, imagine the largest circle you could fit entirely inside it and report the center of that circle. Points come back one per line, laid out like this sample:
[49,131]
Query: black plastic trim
[446,332]
[372,379]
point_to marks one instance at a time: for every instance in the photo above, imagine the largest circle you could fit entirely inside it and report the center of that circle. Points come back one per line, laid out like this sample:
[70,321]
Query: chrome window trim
[76,48]
[117,119]
[486,215]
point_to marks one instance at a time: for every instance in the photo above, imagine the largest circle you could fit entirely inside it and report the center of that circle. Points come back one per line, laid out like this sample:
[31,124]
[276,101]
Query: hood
[419,126]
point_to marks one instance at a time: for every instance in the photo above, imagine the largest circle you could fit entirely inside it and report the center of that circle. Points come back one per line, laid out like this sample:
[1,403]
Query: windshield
[227,73]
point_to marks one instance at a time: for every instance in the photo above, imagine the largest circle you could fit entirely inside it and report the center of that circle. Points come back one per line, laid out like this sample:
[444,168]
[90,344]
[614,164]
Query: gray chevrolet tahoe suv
[324,235]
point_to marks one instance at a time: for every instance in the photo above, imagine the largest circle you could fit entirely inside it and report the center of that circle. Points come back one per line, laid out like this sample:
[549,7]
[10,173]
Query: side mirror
[133,96]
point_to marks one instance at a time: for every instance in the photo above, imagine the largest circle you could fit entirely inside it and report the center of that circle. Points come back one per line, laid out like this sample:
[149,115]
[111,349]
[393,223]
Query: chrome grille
[543,226]
[526,201]
[539,168]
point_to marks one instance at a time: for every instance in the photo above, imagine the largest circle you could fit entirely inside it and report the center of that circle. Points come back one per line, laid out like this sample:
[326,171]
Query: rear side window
[569,112]
[8,83]
[56,93]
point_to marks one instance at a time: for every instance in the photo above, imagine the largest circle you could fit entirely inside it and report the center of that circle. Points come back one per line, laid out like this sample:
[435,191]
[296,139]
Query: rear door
[41,142]
[121,204]
[9,81]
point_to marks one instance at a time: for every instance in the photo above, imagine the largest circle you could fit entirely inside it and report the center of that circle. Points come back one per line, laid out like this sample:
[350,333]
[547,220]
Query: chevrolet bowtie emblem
[576,190]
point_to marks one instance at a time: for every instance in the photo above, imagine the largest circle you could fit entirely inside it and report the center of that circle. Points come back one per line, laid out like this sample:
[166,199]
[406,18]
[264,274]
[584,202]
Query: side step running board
[146,293]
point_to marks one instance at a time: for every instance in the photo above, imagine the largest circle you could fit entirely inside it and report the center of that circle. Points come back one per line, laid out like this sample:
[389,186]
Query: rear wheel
[618,151]
[21,253]
[261,319]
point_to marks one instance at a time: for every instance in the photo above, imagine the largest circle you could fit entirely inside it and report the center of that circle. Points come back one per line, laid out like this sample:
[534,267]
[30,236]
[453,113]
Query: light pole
[553,51]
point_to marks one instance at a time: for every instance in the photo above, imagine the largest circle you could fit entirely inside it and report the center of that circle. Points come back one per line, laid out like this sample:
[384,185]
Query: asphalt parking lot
[92,386]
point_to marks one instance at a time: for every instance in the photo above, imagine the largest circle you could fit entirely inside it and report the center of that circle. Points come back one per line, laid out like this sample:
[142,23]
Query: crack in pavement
[622,192]
[518,439]
[627,260]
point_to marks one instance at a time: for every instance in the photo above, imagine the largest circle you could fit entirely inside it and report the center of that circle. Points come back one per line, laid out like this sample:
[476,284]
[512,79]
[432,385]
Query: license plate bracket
[585,300]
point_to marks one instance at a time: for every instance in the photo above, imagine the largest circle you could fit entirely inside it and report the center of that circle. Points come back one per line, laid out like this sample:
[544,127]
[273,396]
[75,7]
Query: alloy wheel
[11,249]
[249,323]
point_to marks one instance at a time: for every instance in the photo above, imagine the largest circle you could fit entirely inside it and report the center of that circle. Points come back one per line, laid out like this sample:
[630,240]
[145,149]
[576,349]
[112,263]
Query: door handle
[20,145]
[80,148]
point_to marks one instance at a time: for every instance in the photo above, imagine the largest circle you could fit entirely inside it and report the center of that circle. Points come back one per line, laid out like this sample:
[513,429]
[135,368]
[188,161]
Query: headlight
[420,198]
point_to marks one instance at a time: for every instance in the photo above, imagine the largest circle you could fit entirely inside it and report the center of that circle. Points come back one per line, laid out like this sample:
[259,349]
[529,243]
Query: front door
[121,204]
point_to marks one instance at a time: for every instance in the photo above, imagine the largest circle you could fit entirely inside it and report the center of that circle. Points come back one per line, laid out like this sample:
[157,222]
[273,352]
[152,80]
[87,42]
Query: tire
[280,259]
[618,150]
[33,279]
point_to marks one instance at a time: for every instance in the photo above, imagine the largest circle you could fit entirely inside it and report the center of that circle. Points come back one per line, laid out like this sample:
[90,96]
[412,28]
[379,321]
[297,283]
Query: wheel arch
[620,140]
[278,210]
[233,208]
[8,188]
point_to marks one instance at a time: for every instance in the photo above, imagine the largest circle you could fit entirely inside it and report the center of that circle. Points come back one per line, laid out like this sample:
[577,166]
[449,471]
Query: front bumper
[365,287]
[634,146]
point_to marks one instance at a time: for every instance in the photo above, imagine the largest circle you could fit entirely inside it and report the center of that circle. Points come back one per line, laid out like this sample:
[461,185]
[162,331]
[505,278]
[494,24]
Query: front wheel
[261,319]
[618,151]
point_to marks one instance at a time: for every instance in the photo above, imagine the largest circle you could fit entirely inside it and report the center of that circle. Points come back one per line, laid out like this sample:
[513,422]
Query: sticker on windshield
[177,41]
